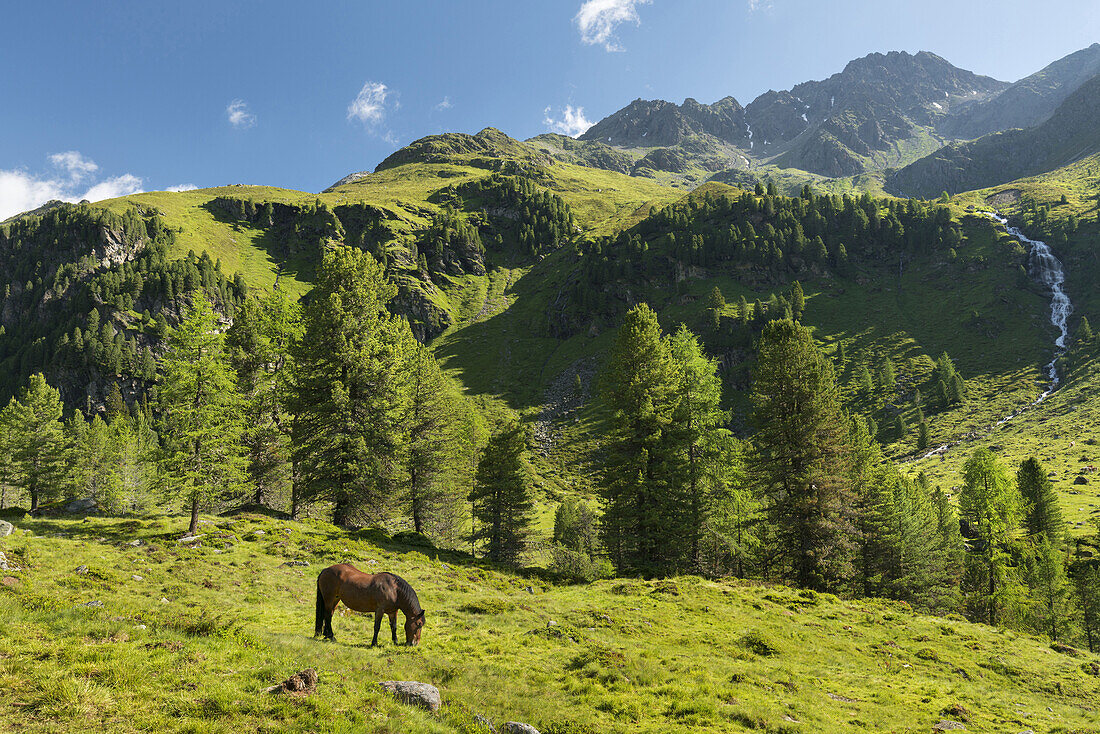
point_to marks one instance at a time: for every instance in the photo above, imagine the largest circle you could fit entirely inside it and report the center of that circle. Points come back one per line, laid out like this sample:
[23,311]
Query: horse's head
[413,625]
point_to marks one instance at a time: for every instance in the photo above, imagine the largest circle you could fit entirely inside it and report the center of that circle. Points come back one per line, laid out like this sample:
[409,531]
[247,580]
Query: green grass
[193,643]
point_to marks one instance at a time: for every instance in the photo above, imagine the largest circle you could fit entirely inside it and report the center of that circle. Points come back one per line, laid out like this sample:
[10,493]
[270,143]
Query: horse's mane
[405,594]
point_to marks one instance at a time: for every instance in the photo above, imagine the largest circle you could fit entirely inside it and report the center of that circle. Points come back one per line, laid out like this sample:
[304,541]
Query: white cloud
[182,187]
[572,121]
[444,104]
[21,191]
[598,19]
[238,114]
[113,188]
[76,165]
[369,107]
[755,5]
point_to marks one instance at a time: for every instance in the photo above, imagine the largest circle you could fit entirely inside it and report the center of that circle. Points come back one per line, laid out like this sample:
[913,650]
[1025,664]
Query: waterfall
[1048,270]
[1044,267]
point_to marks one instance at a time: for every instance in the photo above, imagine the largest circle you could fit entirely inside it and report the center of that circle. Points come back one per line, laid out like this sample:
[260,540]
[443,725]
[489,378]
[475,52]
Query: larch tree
[989,503]
[708,466]
[802,457]
[204,459]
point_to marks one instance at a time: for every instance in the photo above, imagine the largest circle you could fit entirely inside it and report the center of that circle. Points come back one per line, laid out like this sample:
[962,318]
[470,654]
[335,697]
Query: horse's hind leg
[330,607]
[393,626]
[377,626]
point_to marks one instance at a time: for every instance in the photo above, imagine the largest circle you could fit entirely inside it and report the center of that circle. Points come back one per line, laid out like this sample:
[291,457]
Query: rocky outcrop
[6,528]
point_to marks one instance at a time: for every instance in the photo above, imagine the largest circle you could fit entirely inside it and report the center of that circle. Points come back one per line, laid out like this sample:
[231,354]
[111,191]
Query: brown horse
[381,593]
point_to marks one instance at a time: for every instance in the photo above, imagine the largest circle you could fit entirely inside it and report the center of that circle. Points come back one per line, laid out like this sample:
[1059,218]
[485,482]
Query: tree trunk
[34,499]
[194,527]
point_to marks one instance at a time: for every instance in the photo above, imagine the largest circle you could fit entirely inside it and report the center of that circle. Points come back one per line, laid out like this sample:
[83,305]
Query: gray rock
[486,723]
[191,538]
[301,564]
[81,506]
[136,543]
[946,725]
[415,694]
[94,604]
[517,727]
[6,528]
[81,570]
[5,565]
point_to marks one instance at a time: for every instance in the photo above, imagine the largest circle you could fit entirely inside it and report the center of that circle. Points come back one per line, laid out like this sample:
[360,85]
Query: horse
[382,593]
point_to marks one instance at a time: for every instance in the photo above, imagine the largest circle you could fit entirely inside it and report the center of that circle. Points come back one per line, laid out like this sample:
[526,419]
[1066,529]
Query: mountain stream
[1045,268]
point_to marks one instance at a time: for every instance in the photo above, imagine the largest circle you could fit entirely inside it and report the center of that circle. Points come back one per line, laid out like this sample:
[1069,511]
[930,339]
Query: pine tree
[989,503]
[38,447]
[1043,513]
[1084,332]
[802,457]
[204,459]
[350,389]
[841,355]
[640,390]
[502,496]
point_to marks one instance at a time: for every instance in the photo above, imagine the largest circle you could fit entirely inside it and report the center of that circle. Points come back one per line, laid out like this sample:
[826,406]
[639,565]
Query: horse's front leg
[377,626]
[393,626]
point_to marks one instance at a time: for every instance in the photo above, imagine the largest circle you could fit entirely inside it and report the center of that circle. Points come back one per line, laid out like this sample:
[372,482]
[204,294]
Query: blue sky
[106,98]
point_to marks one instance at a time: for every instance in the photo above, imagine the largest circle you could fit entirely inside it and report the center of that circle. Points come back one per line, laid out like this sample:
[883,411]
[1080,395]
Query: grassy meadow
[166,636]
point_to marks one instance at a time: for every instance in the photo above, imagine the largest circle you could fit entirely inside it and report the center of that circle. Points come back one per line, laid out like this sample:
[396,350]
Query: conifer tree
[1086,582]
[433,423]
[204,459]
[97,461]
[706,464]
[802,457]
[1042,512]
[259,347]
[349,389]
[640,389]
[989,503]
[502,496]
[38,447]
[1084,332]
[575,526]
[1050,589]
[798,301]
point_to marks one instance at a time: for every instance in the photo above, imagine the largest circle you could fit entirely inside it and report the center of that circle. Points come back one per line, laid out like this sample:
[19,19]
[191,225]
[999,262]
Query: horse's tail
[319,622]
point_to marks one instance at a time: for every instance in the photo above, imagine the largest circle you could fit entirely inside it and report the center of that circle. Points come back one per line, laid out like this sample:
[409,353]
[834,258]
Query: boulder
[1081,480]
[946,725]
[517,727]
[6,528]
[6,565]
[415,694]
[82,506]
[486,723]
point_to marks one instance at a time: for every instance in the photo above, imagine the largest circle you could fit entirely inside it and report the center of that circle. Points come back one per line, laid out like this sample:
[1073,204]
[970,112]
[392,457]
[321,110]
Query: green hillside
[171,636]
